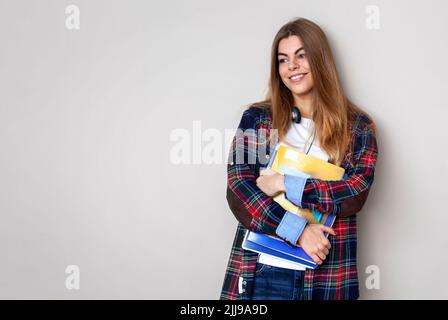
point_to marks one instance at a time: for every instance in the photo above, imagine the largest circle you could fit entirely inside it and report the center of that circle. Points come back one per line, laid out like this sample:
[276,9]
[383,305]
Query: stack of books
[287,160]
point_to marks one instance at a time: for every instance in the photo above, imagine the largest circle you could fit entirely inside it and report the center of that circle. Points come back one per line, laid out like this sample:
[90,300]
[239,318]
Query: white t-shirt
[299,136]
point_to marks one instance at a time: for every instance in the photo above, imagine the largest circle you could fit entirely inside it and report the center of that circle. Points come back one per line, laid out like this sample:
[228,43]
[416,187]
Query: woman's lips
[297,78]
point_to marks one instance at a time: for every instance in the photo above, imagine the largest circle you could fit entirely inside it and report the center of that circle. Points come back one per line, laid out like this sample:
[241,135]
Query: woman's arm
[349,207]
[257,211]
[342,196]
[252,207]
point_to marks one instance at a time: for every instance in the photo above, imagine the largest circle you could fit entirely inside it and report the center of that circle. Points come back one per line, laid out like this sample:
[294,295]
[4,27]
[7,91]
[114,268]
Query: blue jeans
[274,283]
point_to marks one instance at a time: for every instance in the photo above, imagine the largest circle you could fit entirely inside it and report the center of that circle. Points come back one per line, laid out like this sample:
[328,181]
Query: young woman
[303,78]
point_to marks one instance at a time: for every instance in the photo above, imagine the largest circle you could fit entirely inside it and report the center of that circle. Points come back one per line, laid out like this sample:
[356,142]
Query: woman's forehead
[291,43]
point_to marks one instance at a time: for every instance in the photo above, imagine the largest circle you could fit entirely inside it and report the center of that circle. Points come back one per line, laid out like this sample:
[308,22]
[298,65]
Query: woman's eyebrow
[284,54]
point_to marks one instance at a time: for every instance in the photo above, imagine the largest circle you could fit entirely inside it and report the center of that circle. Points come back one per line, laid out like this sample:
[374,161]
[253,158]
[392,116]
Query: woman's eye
[300,56]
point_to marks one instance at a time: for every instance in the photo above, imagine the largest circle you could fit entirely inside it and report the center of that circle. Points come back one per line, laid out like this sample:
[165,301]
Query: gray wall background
[86,116]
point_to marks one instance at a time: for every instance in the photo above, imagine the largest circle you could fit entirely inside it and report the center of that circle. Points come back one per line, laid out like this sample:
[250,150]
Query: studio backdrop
[99,98]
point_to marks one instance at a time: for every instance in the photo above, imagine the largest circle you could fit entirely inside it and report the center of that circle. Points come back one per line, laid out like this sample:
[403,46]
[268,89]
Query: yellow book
[286,159]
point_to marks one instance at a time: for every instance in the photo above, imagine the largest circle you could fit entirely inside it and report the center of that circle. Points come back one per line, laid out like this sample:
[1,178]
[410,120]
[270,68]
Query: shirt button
[267,156]
[244,282]
[244,290]
[231,163]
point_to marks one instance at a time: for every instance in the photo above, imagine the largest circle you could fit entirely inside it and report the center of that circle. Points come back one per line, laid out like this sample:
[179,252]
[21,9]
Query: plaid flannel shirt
[337,276]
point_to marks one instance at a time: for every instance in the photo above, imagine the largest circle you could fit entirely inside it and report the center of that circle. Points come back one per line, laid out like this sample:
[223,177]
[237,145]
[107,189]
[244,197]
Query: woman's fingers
[326,243]
[327,229]
[315,243]
[321,255]
[316,259]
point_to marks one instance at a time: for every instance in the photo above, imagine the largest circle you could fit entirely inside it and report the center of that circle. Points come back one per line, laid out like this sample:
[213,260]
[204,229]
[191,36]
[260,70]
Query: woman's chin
[301,91]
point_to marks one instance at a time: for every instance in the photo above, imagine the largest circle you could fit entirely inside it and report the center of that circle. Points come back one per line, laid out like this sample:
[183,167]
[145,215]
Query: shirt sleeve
[294,186]
[242,171]
[291,227]
[327,196]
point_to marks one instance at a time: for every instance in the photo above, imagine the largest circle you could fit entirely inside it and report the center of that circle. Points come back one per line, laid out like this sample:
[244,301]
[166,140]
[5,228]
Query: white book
[271,260]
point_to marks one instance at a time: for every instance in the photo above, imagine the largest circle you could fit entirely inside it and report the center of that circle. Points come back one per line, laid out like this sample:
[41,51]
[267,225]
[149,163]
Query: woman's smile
[296,78]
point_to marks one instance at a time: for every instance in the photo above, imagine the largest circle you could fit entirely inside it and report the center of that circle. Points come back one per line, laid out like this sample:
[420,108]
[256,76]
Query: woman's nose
[293,65]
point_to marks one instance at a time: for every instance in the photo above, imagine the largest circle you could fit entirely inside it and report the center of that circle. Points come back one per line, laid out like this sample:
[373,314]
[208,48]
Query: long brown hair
[333,112]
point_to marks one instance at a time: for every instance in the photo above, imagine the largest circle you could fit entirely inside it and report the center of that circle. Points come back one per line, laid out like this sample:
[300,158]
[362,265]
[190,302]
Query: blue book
[263,243]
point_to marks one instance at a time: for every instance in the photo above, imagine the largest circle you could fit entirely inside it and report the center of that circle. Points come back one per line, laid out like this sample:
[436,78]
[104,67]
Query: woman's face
[293,67]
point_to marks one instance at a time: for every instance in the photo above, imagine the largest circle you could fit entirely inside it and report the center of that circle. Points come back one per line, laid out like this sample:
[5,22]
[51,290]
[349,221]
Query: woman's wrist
[281,183]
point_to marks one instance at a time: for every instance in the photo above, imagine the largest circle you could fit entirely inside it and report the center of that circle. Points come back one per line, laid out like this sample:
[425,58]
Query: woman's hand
[314,242]
[271,182]
[312,239]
